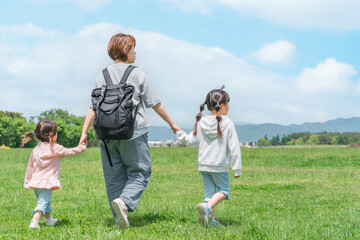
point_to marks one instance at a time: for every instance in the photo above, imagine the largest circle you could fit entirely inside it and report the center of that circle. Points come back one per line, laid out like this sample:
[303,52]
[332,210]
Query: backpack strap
[136,110]
[107,151]
[107,76]
[127,73]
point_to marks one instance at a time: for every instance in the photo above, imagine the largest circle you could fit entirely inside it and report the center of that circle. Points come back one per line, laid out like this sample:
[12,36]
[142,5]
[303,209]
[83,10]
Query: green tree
[349,137]
[299,141]
[341,140]
[12,115]
[291,142]
[325,137]
[335,140]
[263,142]
[285,139]
[55,114]
[275,140]
[69,127]
[12,127]
[313,140]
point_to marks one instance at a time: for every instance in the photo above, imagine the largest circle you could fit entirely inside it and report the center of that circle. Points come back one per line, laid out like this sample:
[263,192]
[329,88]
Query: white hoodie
[215,153]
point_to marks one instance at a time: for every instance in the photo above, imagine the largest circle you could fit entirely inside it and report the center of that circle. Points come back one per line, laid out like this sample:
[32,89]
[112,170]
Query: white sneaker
[34,224]
[204,210]
[51,221]
[121,211]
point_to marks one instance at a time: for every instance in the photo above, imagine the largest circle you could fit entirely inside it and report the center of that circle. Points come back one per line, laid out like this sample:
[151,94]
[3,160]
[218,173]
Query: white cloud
[60,73]
[275,53]
[358,87]
[4,48]
[88,5]
[327,76]
[92,5]
[202,6]
[57,72]
[325,14]
[28,29]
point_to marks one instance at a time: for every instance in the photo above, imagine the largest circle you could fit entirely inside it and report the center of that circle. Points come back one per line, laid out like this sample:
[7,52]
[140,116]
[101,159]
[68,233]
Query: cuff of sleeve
[237,173]
[179,134]
[152,104]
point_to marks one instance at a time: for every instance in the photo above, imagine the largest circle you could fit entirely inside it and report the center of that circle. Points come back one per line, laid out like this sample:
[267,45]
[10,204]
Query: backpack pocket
[114,118]
[95,97]
[111,100]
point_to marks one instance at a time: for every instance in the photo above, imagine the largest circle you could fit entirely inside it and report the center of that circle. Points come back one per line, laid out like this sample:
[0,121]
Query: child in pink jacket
[42,174]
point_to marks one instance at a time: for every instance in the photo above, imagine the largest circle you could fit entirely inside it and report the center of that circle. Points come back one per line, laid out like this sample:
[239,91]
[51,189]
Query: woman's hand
[175,127]
[160,110]
[88,121]
[83,138]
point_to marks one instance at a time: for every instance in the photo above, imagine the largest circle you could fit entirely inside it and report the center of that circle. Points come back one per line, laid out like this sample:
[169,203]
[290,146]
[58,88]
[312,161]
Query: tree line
[14,125]
[307,138]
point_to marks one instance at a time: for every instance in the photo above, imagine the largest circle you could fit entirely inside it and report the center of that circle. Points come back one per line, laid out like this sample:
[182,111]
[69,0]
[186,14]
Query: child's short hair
[44,131]
[119,46]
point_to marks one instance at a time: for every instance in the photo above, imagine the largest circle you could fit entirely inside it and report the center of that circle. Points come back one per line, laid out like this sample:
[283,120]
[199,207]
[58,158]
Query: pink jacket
[44,173]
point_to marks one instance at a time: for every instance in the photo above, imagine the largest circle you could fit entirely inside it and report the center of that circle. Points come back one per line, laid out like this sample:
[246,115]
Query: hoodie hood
[208,125]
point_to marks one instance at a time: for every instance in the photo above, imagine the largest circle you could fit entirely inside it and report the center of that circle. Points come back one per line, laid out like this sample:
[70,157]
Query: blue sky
[281,61]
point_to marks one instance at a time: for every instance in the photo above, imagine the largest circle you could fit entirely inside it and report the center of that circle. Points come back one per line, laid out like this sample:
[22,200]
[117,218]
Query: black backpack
[113,106]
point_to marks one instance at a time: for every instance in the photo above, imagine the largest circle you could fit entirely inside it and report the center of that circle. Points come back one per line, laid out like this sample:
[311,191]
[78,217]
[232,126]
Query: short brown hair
[119,46]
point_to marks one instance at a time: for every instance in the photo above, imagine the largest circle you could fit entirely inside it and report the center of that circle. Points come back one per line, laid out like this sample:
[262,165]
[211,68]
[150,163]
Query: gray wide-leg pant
[131,170]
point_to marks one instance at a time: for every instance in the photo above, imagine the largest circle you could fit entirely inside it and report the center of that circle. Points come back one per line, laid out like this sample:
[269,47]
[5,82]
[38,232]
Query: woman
[128,178]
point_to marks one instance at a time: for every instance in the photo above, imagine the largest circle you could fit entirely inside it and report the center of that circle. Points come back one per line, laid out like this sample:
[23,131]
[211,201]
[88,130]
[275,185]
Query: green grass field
[283,193]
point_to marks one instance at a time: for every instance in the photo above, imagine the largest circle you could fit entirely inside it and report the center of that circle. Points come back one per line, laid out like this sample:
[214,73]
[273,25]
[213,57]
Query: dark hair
[120,45]
[213,101]
[44,131]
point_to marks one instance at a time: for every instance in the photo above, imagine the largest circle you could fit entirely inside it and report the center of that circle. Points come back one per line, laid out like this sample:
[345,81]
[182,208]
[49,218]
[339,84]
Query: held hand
[236,176]
[175,128]
[83,138]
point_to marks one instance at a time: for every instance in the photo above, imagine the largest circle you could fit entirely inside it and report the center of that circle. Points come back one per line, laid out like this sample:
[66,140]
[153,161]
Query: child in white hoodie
[218,147]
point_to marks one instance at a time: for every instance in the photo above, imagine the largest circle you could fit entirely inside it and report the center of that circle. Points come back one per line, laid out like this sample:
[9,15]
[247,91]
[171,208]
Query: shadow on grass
[62,222]
[137,220]
[147,219]
[230,222]
[268,187]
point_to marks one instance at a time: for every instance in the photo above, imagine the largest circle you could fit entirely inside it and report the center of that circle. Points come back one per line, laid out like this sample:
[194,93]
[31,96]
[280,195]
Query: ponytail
[26,138]
[198,117]
[218,118]
[44,132]
[50,139]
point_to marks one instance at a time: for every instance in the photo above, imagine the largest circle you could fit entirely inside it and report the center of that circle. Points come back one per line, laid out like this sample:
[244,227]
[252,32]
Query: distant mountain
[157,133]
[252,132]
